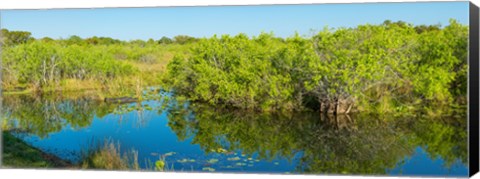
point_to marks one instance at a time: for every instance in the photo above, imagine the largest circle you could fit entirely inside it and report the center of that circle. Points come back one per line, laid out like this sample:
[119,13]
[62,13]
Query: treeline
[390,67]
[41,64]
[12,38]
[75,63]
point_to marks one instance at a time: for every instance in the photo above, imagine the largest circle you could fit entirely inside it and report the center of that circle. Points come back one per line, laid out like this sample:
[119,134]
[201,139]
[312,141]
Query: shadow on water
[214,139]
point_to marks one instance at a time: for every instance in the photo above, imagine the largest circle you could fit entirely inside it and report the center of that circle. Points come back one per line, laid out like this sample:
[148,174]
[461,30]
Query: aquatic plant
[208,169]
[159,165]
[233,159]
[212,161]
[108,157]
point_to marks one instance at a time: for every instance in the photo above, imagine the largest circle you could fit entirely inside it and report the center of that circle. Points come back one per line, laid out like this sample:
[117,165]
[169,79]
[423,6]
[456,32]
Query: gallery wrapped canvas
[324,89]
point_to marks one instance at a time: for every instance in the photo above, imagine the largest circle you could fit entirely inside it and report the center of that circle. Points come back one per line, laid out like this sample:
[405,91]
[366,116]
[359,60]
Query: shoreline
[18,154]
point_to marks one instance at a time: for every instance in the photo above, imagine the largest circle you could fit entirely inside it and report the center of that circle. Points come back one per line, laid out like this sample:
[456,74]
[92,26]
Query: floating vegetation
[233,159]
[250,165]
[147,107]
[243,155]
[212,161]
[257,160]
[229,166]
[249,158]
[240,164]
[276,163]
[208,169]
[169,154]
[221,150]
[154,154]
[185,160]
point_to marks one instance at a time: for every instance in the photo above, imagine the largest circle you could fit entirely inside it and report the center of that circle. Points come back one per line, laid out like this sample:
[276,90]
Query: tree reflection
[42,115]
[357,144]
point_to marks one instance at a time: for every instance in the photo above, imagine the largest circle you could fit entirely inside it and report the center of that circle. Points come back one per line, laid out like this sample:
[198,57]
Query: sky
[281,20]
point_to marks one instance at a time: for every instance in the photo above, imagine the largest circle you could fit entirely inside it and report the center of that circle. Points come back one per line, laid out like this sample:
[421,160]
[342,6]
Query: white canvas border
[72,174]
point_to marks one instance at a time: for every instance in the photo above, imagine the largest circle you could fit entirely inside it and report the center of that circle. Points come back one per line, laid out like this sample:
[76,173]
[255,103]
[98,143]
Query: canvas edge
[473,89]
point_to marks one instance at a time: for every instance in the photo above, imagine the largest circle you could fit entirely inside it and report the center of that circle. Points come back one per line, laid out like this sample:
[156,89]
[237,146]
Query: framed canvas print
[382,89]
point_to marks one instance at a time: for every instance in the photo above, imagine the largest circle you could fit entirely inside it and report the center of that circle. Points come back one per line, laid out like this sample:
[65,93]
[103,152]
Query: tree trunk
[349,108]
[335,110]
[44,75]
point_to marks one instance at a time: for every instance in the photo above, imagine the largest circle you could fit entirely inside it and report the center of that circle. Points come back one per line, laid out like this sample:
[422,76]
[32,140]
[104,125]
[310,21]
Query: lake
[200,138]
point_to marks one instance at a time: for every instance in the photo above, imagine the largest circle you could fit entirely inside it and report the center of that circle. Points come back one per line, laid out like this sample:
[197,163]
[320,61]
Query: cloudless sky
[282,20]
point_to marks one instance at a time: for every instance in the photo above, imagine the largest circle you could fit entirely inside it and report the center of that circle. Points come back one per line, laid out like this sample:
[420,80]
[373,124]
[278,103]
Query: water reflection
[198,136]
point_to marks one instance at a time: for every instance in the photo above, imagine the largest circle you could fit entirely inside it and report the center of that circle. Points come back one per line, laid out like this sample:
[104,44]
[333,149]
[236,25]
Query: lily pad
[169,154]
[185,160]
[208,169]
[213,160]
[276,163]
[148,108]
[240,164]
[233,159]
[222,150]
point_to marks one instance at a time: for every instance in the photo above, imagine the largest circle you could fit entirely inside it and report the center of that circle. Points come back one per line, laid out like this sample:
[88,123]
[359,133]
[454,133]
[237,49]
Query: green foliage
[184,39]
[229,70]
[42,64]
[389,67]
[165,40]
[11,38]
[369,67]
[159,165]
[101,40]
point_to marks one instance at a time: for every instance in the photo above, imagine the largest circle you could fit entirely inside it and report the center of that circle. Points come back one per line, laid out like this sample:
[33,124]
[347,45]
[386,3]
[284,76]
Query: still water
[196,138]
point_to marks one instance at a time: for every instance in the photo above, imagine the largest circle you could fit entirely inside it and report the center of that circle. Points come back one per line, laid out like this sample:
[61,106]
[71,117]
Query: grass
[108,157]
[149,73]
[17,153]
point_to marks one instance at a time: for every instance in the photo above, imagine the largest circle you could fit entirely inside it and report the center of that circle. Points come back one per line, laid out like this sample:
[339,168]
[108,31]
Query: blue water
[148,132]
[151,137]
[421,165]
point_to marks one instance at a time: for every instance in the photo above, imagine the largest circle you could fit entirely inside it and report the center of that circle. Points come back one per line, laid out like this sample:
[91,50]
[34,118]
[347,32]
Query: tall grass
[108,156]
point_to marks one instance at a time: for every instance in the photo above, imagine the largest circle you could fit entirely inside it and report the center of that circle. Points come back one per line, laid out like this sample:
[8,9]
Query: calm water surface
[199,138]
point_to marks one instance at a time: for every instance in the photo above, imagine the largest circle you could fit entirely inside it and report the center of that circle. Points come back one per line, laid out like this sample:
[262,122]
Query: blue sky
[282,20]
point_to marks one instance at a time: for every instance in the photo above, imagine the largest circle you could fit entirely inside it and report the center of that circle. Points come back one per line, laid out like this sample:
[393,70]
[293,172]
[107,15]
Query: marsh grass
[108,156]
